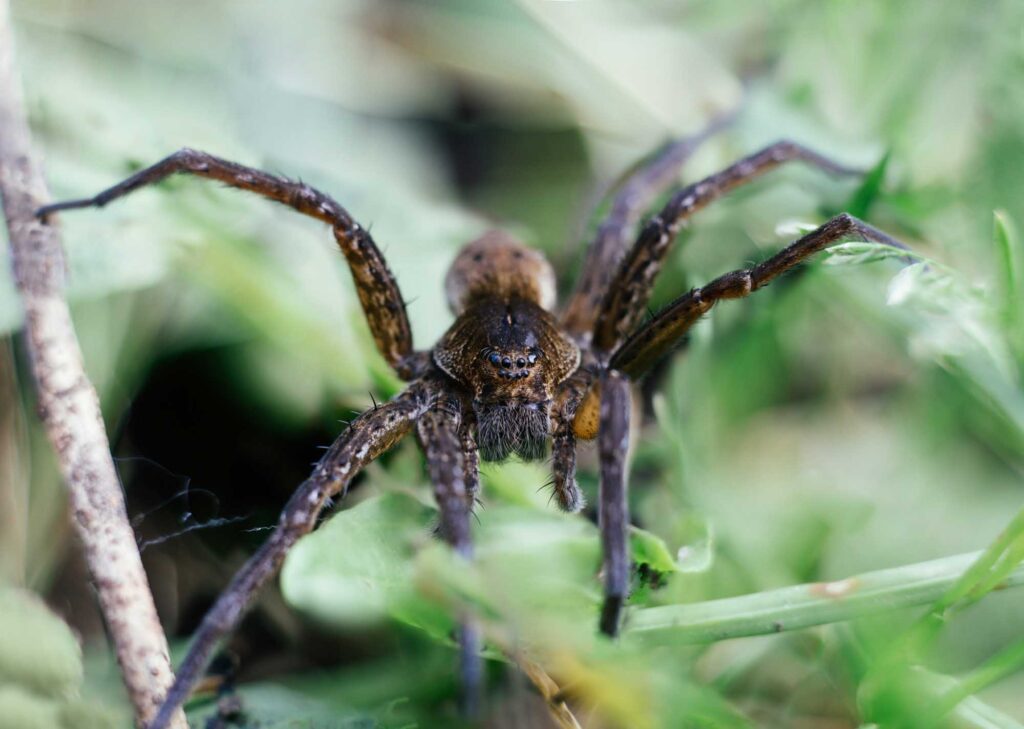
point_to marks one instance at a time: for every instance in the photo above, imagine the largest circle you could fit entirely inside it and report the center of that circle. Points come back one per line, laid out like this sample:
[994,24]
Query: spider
[513,372]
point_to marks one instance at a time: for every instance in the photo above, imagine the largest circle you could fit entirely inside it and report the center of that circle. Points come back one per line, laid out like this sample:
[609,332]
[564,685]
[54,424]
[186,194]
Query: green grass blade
[1011,265]
[802,606]
[865,195]
[998,667]
[995,563]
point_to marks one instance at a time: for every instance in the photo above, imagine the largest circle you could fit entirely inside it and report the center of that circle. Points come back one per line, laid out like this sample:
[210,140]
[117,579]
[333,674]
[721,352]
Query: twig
[558,708]
[70,411]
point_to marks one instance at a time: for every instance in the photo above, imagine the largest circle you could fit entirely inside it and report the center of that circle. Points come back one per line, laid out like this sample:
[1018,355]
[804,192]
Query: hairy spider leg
[444,441]
[640,352]
[613,512]
[366,438]
[378,291]
[661,334]
[438,431]
[627,295]
[563,441]
[637,192]
[470,459]
[666,330]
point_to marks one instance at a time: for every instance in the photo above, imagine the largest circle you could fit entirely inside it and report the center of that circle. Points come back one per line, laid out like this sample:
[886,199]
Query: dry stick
[70,410]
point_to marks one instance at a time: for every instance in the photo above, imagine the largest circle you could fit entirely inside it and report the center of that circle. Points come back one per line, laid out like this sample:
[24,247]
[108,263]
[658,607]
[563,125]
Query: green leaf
[38,651]
[356,568]
[536,565]
[22,709]
[379,560]
[1010,256]
[870,188]
[855,253]
[1008,248]
[651,550]
[906,283]
[693,557]
[889,697]
[41,670]
[991,568]
[269,706]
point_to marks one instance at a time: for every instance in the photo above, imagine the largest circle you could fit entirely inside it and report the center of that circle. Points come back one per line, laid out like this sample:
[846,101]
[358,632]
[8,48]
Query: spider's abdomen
[496,265]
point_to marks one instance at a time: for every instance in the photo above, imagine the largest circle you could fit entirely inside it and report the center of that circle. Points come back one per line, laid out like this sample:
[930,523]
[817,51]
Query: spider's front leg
[637,191]
[452,462]
[664,332]
[666,329]
[625,302]
[366,438]
[378,291]
[613,513]
[609,399]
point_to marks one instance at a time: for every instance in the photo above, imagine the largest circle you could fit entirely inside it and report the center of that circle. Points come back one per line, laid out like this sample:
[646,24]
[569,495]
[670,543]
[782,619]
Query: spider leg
[613,514]
[624,305]
[563,466]
[377,289]
[471,463]
[367,437]
[443,442]
[563,441]
[635,195]
[661,334]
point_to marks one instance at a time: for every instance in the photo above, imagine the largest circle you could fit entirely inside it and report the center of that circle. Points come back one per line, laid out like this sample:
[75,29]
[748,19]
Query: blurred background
[849,418]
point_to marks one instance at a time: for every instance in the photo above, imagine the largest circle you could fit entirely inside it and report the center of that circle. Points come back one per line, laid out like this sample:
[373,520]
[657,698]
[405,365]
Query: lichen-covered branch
[70,410]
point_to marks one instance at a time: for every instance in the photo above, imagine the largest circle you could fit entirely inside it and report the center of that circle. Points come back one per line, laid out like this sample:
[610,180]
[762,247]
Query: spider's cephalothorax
[507,376]
[505,346]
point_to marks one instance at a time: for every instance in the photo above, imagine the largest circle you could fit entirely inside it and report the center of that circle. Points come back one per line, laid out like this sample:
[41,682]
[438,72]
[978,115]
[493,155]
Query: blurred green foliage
[41,670]
[848,419]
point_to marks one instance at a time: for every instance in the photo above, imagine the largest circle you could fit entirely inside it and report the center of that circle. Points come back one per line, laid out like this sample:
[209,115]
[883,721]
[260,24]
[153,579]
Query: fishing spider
[512,372]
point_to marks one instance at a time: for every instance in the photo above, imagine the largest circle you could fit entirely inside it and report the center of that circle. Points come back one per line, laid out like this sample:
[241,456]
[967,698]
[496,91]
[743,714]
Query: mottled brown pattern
[539,355]
[470,460]
[506,377]
[438,433]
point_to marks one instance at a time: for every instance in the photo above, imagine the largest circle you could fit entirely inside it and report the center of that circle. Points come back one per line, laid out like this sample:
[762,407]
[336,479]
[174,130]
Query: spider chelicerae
[513,371]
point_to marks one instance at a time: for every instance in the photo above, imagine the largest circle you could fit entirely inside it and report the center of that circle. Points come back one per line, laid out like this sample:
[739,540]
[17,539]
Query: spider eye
[520,362]
[532,358]
[494,358]
[506,362]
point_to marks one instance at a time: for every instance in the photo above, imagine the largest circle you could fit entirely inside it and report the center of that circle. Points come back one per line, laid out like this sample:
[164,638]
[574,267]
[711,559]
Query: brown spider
[510,373]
